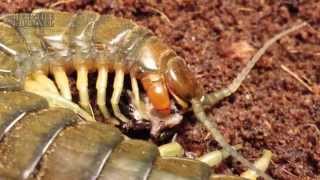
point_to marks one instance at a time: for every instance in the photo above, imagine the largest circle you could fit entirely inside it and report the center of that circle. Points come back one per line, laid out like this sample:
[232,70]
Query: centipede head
[177,81]
[166,74]
[181,82]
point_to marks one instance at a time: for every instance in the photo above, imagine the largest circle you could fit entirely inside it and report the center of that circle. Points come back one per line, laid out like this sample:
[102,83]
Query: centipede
[46,134]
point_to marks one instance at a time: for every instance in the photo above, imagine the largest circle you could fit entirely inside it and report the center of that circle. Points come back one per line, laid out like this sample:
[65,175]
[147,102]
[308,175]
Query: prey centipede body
[41,133]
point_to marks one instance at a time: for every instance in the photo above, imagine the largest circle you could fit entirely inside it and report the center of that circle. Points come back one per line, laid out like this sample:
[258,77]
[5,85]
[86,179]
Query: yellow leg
[172,149]
[214,158]
[117,89]
[62,81]
[82,86]
[46,82]
[101,87]
[55,100]
[136,98]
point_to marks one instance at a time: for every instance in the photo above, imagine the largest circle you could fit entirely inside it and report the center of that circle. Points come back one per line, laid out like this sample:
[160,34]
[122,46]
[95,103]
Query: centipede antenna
[213,98]
[213,128]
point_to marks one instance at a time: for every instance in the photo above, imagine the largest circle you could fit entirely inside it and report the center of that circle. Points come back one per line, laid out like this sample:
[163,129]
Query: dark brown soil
[271,110]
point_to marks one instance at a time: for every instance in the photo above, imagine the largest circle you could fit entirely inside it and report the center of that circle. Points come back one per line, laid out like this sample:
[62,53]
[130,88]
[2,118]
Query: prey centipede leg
[55,100]
[213,128]
[212,98]
[262,163]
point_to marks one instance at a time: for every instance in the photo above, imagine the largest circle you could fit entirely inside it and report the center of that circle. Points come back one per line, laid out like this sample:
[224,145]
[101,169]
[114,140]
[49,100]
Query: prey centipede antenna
[212,98]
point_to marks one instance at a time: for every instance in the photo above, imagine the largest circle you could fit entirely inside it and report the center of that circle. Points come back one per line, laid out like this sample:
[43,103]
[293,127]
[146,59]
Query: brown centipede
[59,43]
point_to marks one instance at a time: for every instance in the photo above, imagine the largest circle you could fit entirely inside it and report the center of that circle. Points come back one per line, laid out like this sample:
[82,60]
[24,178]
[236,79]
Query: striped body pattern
[53,143]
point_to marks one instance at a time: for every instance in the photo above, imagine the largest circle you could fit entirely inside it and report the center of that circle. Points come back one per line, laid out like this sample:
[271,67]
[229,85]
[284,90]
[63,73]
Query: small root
[61,2]
[312,126]
[296,76]
[162,15]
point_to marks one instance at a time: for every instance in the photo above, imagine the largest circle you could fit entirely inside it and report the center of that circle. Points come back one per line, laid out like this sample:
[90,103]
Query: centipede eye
[180,81]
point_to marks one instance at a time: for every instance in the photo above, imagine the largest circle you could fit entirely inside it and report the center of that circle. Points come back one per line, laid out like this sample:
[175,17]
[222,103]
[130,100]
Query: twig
[296,76]
[282,168]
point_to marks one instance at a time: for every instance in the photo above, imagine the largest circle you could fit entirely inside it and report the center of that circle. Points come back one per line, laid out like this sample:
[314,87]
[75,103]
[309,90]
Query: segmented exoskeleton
[59,43]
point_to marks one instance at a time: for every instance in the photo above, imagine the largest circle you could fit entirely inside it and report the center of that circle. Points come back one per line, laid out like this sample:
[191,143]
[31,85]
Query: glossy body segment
[22,149]
[14,105]
[56,36]
[179,169]
[9,83]
[35,44]
[152,57]
[81,33]
[13,44]
[115,52]
[82,53]
[107,44]
[57,42]
[132,160]
[80,152]
[7,63]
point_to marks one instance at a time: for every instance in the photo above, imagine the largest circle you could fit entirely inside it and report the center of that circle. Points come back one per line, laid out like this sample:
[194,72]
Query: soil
[271,110]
